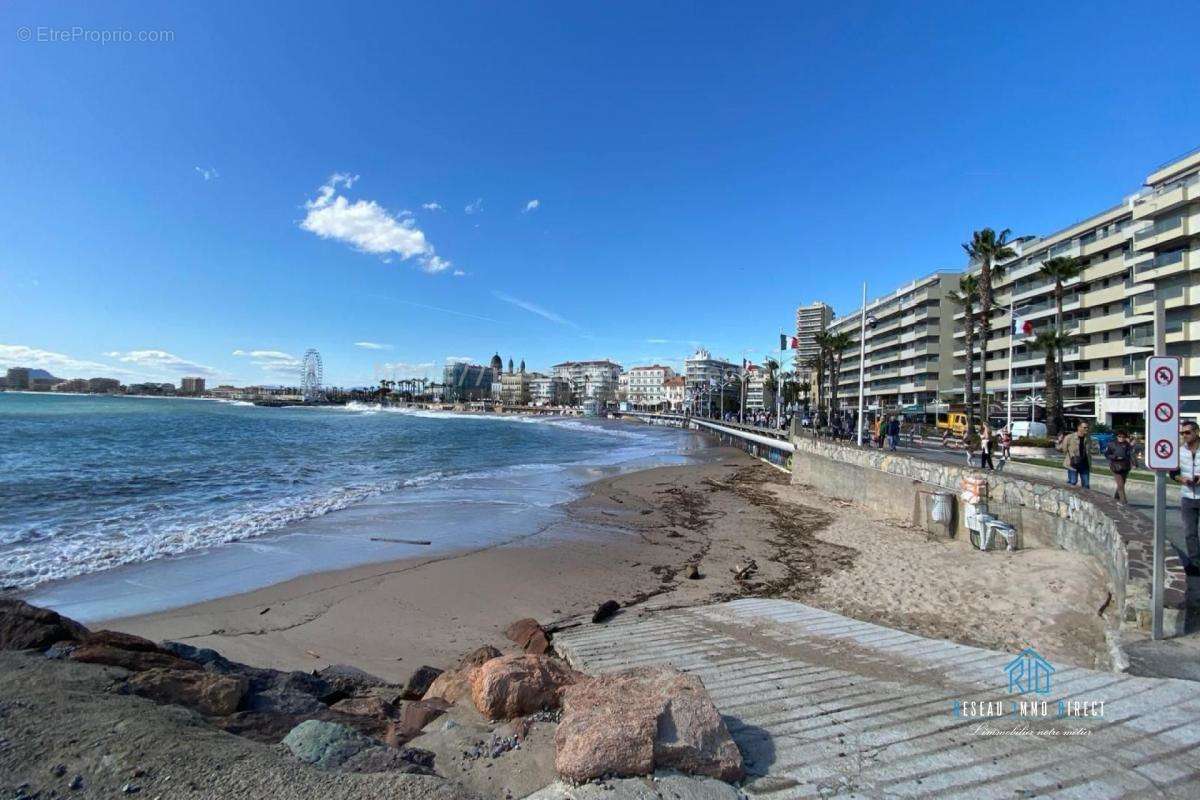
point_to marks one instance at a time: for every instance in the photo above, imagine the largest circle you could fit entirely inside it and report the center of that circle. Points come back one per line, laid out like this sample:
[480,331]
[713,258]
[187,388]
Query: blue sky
[217,203]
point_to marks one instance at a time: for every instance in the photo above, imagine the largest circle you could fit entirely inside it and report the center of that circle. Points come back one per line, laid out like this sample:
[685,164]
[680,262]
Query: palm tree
[1051,343]
[805,389]
[966,296]
[769,382]
[817,366]
[838,342]
[1060,269]
[987,249]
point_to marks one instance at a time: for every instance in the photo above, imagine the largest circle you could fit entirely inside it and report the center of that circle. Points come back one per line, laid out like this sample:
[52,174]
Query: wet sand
[631,539]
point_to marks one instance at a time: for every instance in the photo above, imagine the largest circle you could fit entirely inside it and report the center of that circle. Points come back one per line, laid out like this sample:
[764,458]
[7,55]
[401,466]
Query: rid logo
[1029,673]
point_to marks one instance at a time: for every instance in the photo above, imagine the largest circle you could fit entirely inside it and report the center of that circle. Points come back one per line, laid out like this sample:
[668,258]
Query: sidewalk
[825,706]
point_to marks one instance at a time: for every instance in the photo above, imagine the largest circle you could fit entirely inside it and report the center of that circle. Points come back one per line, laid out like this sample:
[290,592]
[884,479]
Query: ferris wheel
[312,372]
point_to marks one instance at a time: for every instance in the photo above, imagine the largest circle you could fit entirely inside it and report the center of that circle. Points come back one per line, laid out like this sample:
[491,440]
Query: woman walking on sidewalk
[986,442]
[1121,460]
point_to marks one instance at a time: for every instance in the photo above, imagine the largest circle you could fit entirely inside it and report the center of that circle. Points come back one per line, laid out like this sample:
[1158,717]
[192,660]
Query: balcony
[1163,233]
[1167,197]
[1167,262]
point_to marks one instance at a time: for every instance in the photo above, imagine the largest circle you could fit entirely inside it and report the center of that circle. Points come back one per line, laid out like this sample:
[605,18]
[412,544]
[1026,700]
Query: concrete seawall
[1045,514]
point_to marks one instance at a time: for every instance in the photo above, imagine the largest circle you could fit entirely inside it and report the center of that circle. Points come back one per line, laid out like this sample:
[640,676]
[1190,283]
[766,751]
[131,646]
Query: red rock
[451,686]
[123,641]
[365,706]
[478,656]
[641,720]
[413,719]
[211,694]
[513,686]
[117,649]
[26,627]
[529,635]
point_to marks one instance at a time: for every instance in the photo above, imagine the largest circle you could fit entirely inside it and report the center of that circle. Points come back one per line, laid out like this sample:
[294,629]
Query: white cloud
[273,361]
[532,205]
[458,273]
[208,173]
[459,359]
[373,346]
[367,226]
[162,361]
[57,364]
[475,206]
[532,308]
[432,206]
[405,369]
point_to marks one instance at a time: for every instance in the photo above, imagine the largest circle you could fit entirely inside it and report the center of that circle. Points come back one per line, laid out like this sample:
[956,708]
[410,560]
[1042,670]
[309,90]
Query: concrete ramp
[825,706]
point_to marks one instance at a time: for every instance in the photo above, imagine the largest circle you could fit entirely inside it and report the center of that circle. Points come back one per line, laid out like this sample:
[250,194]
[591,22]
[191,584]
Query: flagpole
[862,356]
[1012,335]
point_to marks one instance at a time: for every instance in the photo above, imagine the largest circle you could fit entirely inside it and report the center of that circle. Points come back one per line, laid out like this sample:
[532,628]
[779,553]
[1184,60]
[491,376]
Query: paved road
[825,706]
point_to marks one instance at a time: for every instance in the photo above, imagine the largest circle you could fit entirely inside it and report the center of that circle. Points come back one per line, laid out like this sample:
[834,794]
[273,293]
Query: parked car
[1029,430]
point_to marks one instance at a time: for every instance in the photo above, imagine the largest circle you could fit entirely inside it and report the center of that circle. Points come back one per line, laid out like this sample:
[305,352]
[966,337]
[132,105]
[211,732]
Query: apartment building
[674,392]
[191,386]
[593,383]
[648,385]
[756,376]
[1143,247]
[908,349]
[810,320]
[706,378]
[547,390]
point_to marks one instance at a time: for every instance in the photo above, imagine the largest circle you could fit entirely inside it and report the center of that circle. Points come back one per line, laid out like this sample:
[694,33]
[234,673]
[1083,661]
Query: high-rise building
[593,383]
[707,379]
[17,378]
[810,320]
[1147,245]
[909,347]
[191,386]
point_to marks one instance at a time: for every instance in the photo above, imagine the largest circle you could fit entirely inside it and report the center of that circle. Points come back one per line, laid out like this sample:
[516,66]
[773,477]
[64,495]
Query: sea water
[119,505]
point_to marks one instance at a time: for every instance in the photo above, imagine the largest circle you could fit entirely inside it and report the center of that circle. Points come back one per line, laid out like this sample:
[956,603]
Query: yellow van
[953,421]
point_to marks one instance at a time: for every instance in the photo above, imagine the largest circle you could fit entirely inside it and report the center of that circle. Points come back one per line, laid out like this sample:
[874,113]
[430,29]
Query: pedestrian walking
[986,442]
[969,440]
[893,433]
[1121,461]
[1006,444]
[1076,458]
[1188,478]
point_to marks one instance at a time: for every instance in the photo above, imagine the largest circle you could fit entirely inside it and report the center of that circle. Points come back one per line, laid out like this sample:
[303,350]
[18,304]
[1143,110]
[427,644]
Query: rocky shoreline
[343,721]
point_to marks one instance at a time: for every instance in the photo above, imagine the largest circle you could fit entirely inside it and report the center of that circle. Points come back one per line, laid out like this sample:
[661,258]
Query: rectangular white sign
[1162,412]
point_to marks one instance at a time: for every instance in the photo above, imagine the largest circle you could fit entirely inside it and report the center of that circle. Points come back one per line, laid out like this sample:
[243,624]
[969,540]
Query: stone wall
[1045,514]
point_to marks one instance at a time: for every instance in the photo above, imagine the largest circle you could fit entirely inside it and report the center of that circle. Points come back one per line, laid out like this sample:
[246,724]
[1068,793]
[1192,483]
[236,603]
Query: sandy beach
[630,540]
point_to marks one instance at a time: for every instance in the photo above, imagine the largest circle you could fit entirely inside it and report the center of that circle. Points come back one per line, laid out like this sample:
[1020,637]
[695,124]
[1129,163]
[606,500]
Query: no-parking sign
[1162,412]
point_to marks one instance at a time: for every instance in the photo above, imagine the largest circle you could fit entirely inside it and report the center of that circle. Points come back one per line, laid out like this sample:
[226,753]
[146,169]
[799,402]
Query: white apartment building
[648,385]
[756,398]
[704,377]
[594,384]
[908,351]
[810,320]
[674,393]
[549,390]
[1146,245]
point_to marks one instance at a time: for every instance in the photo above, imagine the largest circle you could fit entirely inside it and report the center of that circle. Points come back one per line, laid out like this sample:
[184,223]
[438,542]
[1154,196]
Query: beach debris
[639,720]
[692,572]
[400,541]
[494,747]
[26,627]
[312,654]
[210,694]
[265,610]
[744,571]
[420,681]
[840,503]
[529,636]
[478,656]
[606,610]
[517,685]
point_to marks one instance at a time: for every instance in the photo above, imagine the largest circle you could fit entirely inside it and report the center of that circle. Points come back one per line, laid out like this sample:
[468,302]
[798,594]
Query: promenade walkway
[826,706]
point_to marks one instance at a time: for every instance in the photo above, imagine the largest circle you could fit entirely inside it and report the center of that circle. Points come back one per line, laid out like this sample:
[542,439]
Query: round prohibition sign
[1163,412]
[1163,376]
[1163,448]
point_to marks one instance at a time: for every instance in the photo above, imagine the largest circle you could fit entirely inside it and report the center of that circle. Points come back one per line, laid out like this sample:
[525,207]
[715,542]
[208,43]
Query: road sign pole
[1160,477]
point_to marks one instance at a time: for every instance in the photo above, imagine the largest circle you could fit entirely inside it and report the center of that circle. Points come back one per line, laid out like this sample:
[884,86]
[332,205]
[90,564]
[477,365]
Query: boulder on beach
[412,720]
[529,635]
[326,745]
[516,685]
[211,694]
[371,705]
[26,627]
[116,649]
[633,722]
[452,685]
[344,680]
[420,681]
[477,656]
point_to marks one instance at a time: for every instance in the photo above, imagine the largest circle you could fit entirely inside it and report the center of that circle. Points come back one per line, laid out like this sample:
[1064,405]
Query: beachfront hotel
[648,384]
[1146,245]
